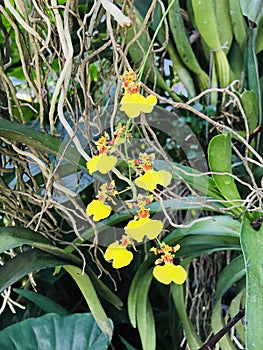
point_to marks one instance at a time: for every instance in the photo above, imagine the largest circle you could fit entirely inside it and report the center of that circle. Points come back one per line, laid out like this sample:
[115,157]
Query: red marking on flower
[132,88]
[168,259]
[147,166]
[102,149]
[143,213]
[101,197]
[125,241]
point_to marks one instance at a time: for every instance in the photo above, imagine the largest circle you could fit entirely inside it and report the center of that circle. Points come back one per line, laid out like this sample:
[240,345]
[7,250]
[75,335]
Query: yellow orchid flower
[101,163]
[98,209]
[119,254]
[137,229]
[168,273]
[152,178]
[133,104]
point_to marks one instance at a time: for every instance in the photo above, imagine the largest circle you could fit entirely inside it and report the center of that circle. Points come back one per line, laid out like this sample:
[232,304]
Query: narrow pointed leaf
[12,237]
[46,304]
[193,339]
[18,132]
[24,263]
[87,289]
[144,313]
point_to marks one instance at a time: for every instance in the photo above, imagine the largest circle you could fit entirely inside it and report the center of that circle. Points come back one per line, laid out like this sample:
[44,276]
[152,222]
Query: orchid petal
[134,104]
[120,255]
[101,163]
[170,273]
[98,209]
[137,229]
[152,178]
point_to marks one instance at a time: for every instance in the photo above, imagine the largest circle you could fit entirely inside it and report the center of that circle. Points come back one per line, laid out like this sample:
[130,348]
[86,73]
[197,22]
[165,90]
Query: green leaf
[39,140]
[217,233]
[24,263]
[87,289]
[250,104]
[259,36]
[50,332]
[101,288]
[134,289]
[219,158]
[239,24]
[43,302]
[232,273]
[127,345]
[13,236]
[217,323]
[144,313]
[203,183]
[235,306]
[252,247]
[137,52]
[178,297]
[253,9]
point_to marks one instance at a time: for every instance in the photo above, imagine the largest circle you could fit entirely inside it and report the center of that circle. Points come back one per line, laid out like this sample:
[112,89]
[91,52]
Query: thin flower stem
[153,39]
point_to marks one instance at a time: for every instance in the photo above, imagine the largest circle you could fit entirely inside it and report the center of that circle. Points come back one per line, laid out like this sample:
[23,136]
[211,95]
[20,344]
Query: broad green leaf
[46,304]
[87,289]
[52,331]
[24,263]
[239,24]
[252,247]
[224,23]
[219,158]
[144,313]
[206,22]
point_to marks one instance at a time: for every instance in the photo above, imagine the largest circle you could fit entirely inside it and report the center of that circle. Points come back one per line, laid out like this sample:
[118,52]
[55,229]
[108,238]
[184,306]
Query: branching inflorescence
[146,178]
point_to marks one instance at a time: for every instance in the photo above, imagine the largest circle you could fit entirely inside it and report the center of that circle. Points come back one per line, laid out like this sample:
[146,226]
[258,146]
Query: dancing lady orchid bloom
[137,229]
[142,226]
[152,178]
[98,209]
[134,104]
[168,272]
[119,255]
[102,163]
